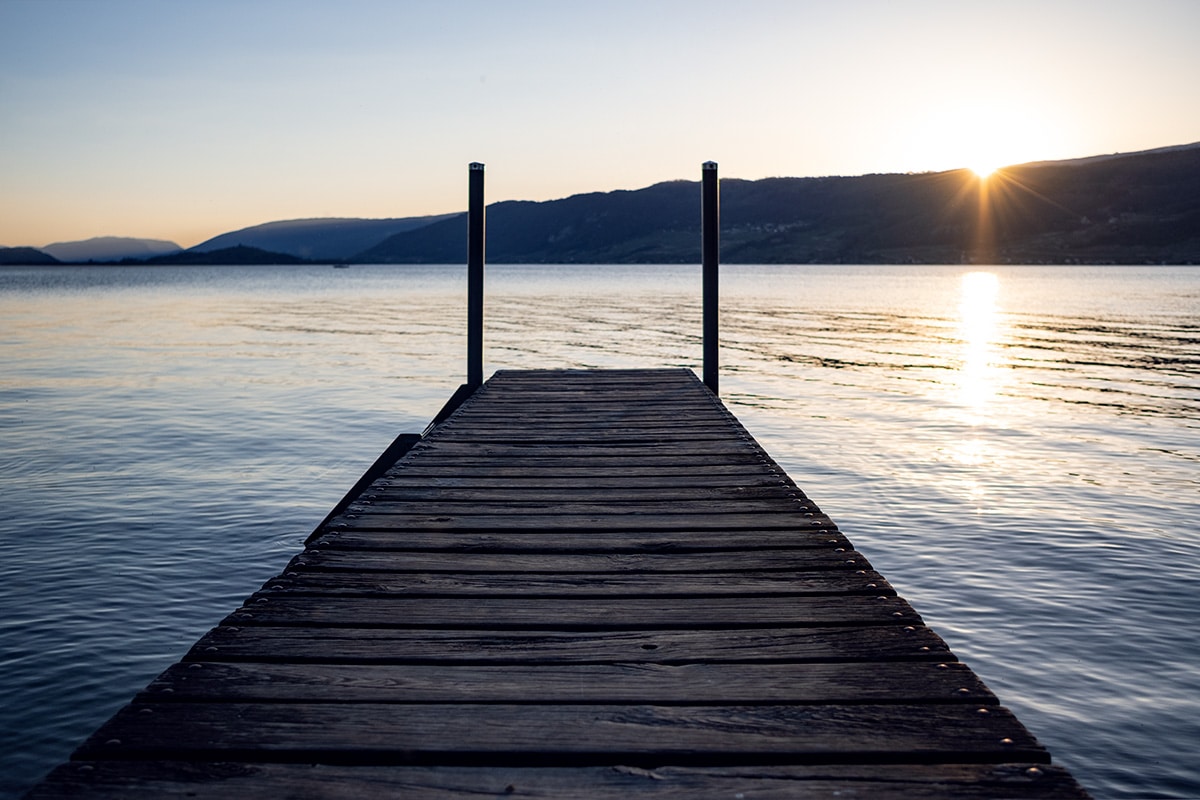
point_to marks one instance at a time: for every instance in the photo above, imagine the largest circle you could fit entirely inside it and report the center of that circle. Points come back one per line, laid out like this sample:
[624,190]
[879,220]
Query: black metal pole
[476,231]
[710,258]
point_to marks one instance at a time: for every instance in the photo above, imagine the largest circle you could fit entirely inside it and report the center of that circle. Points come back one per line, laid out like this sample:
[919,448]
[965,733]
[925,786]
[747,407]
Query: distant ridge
[110,248]
[25,256]
[330,239]
[239,255]
[1110,156]
[1131,209]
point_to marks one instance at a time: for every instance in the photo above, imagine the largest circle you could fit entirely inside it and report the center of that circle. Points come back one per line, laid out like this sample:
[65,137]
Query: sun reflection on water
[978,376]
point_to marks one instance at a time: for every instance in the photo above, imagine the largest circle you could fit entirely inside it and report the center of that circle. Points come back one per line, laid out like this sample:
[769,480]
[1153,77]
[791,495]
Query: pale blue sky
[182,119]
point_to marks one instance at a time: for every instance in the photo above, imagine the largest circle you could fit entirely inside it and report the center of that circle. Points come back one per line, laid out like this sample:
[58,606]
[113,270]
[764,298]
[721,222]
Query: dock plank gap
[577,584]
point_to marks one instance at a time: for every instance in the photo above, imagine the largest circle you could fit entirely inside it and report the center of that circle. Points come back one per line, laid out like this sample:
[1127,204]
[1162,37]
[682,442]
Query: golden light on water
[979,374]
[978,327]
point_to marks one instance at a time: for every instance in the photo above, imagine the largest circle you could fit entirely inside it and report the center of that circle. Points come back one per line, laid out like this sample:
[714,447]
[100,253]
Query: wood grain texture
[537,613]
[499,479]
[538,554]
[671,471]
[717,450]
[821,543]
[106,780]
[551,735]
[351,645]
[789,509]
[577,585]
[632,492]
[608,684]
[681,521]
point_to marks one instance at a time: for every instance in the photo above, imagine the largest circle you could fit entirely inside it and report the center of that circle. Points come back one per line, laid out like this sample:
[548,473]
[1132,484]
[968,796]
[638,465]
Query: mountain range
[329,239]
[109,248]
[1120,208]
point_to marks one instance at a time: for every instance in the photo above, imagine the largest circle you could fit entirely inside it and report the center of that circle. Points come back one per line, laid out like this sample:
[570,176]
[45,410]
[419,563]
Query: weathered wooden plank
[601,431]
[549,378]
[485,421]
[525,555]
[374,645]
[594,392]
[517,407]
[599,383]
[469,464]
[695,438]
[125,780]
[668,506]
[684,521]
[610,395]
[615,397]
[553,735]
[352,644]
[420,492]
[586,388]
[649,422]
[413,478]
[578,584]
[468,467]
[607,684]
[600,428]
[591,541]
[651,396]
[533,613]
[528,406]
[648,453]
[610,392]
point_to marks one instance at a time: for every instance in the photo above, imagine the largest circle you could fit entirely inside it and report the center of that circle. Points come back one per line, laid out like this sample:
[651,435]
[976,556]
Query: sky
[184,119]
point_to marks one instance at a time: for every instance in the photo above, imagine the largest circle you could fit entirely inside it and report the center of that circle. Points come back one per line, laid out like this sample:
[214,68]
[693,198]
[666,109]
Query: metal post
[710,255]
[476,231]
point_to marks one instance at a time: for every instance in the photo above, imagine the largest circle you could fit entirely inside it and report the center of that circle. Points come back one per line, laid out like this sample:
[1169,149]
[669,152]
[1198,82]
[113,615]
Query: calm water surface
[1016,448]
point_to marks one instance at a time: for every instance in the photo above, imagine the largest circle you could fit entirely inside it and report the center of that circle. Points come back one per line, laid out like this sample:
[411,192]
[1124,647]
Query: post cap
[710,165]
[476,165]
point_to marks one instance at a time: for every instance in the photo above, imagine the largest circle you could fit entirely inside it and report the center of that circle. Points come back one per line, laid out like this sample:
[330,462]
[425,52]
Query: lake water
[1016,448]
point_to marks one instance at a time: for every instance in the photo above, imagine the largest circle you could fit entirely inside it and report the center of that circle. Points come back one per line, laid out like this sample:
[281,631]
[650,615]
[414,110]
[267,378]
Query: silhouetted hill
[653,224]
[317,239]
[110,248]
[20,256]
[225,256]
[1115,209]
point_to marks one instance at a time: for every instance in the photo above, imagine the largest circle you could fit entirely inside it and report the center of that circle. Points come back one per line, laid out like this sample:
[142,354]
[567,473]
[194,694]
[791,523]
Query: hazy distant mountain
[110,248]
[318,239]
[25,255]
[1131,208]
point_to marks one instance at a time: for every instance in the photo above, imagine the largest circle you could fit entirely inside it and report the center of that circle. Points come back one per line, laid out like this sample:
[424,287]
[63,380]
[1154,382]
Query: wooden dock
[581,584]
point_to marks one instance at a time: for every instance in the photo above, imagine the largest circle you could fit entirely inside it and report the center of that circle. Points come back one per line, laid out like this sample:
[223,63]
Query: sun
[983,134]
